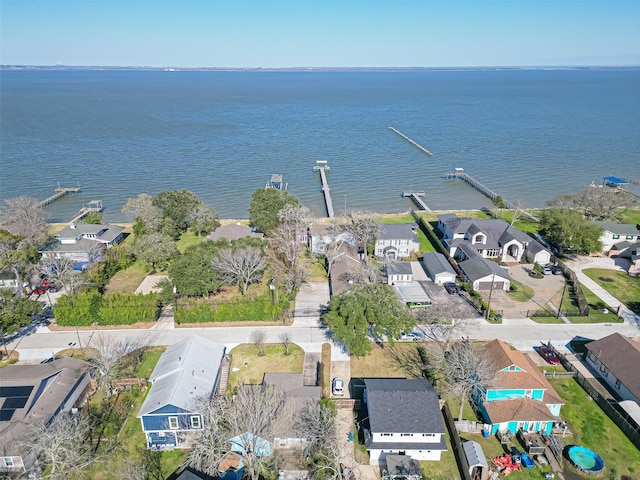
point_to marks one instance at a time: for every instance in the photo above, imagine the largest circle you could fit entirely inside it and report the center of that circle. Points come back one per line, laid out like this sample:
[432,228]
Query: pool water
[586,459]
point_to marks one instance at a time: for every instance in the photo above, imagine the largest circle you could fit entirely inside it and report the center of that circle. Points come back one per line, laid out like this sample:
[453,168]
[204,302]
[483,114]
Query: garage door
[487,286]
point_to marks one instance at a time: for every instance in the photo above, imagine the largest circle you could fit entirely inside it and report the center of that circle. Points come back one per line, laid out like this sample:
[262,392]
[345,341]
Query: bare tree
[597,203]
[249,419]
[285,338]
[25,217]
[517,211]
[317,423]
[141,209]
[442,324]
[258,337]
[363,227]
[464,370]
[240,266]
[60,270]
[64,445]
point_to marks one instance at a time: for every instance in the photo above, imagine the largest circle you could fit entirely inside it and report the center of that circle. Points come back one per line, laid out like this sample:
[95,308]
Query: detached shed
[478,467]
[438,268]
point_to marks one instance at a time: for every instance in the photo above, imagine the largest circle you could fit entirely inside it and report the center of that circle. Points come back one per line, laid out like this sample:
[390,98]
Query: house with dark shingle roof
[83,242]
[403,419]
[438,268]
[397,241]
[617,359]
[519,397]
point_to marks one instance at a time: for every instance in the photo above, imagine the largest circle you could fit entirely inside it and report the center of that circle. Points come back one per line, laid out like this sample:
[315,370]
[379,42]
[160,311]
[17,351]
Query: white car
[337,386]
[410,337]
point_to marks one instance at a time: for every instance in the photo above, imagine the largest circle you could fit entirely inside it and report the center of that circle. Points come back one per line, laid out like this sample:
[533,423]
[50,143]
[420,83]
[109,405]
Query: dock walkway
[60,192]
[95,206]
[321,166]
[415,144]
[415,196]
[486,191]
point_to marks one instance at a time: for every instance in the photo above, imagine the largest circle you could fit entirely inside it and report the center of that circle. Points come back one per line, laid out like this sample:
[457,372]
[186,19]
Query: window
[173,423]
[630,237]
[428,434]
[195,422]
[615,237]
[618,383]
[8,462]
[386,434]
[406,434]
[528,393]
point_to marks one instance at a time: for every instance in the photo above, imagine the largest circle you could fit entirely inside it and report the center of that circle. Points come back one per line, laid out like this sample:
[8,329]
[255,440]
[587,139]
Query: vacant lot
[247,367]
[126,281]
[619,284]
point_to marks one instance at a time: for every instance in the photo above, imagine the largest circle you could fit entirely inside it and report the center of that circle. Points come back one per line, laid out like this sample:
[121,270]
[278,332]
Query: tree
[442,323]
[249,418]
[15,311]
[317,423]
[64,444]
[258,337]
[192,271]
[285,339]
[464,370]
[364,228]
[286,238]
[265,205]
[93,218]
[143,213]
[155,249]
[16,256]
[177,208]
[569,229]
[240,266]
[370,310]
[24,217]
[204,219]
[499,202]
[596,203]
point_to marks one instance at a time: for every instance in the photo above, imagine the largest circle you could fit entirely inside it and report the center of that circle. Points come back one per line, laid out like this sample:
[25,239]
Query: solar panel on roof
[15,402]
[21,391]
[5,415]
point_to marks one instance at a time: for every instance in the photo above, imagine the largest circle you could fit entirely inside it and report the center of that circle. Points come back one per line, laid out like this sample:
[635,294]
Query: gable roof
[617,228]
[402,231]
[497,230]
[436,263]
[529,377]
[345,260]
[186,370]
[398,405]
[621,356]
[399,268]
[479,267]
[292,384]
[232,231]
[518,409]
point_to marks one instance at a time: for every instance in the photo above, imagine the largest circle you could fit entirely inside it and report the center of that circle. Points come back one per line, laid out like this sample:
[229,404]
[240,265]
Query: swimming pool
[585,459]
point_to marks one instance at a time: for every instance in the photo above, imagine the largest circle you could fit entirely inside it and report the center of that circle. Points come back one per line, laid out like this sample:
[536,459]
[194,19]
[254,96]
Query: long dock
[321,166]
[486,191]
[60,192]
[415,144]
[94,206]
[415,196]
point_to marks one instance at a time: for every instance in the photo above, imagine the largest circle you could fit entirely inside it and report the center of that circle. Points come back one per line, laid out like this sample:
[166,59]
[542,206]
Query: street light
[272,288]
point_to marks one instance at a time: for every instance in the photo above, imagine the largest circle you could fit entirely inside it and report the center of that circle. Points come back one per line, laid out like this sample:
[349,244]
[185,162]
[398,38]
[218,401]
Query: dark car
[546,353]
[556,270]
[451,288]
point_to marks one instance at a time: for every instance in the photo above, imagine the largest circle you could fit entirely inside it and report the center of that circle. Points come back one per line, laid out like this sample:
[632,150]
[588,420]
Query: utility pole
[493,279]
[561,299]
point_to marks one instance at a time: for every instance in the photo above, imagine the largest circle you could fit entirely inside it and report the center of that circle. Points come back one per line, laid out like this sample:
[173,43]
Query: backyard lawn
[249,368]
[619,284]
[425,244]
[593,429]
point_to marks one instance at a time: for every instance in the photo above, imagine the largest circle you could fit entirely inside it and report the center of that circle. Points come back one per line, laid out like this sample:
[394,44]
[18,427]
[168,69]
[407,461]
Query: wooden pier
[60,192]
[321,166]
[415,196]
[94,206]
[486,191]
[415,144]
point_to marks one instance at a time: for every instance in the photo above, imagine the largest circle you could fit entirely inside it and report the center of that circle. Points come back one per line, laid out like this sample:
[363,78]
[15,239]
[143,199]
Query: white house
[403,419]
[492,238]
[613,233]
[83,242]
[320,237]
[399,272]
[616,358]
[438,268]
[397,241]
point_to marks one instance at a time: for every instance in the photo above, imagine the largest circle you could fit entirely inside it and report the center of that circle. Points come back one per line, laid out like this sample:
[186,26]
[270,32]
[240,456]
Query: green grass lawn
[619,284]
[522,293]
[249,368]
[128,280]
[593,429]
[630,215]
[425,244]
[187,239]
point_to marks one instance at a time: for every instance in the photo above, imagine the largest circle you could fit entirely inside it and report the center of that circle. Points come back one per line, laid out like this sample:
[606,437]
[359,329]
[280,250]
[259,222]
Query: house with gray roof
[403,419]
[233,231]
[186,372]
[493,238]
[397,241]
[31,394]
[485,274]
[614,233]
[344,262]
[616,359]
[399,272]
[321,237]
[438,268]
[83,242]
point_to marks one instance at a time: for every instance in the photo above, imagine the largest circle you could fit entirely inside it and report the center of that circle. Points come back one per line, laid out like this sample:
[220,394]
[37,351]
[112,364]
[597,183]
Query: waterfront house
[493,238]
[233,231]
[438,268]
[31,394]
[344,263]
[83,242]
[614,233]
[297,396]
[186,372]
[397,241]
[616,359]
[403,418]
[320,237]
[519,397]
[399,272]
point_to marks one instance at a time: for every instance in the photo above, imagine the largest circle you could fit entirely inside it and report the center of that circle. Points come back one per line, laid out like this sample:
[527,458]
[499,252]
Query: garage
[487,286]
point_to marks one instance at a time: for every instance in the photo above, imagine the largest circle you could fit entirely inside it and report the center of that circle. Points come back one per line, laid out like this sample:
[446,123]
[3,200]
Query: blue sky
[270,33]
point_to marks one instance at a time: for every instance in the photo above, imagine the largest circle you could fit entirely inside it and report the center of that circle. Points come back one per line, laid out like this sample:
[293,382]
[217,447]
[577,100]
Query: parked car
[556,270]
[451,288]
[546,270]
[410,337]
[546,353]
[337,386]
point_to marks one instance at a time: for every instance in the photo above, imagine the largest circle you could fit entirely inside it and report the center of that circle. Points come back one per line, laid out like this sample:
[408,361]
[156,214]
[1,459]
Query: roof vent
[72,226]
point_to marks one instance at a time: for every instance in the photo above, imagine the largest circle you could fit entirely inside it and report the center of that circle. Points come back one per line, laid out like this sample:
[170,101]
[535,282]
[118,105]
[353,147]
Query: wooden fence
[629,430]
[456,443]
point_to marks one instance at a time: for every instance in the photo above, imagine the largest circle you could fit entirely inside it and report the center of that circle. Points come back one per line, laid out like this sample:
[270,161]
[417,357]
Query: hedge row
[91,308]
[240,309]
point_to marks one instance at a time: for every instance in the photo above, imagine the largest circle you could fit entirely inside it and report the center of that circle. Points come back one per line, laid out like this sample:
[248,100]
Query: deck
[415,196]
[322,167]
[60,192]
